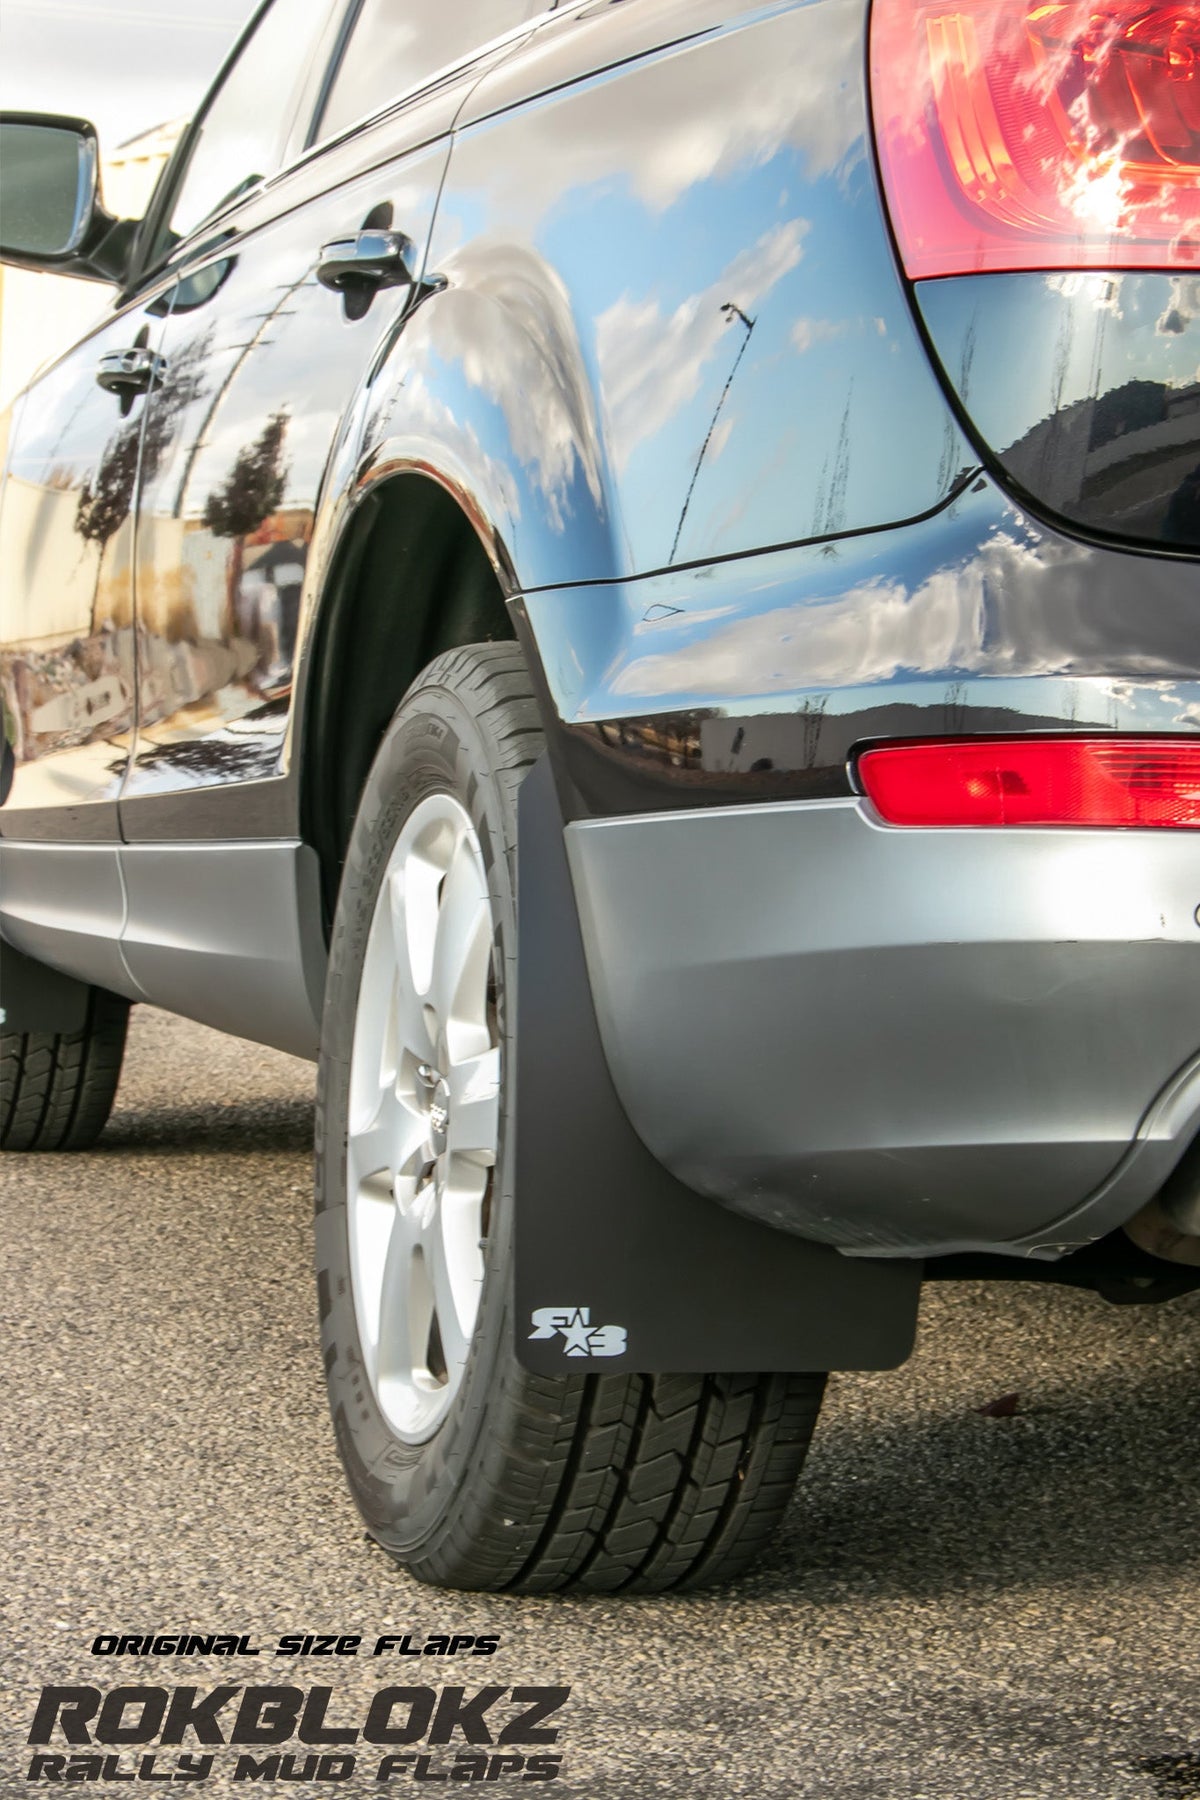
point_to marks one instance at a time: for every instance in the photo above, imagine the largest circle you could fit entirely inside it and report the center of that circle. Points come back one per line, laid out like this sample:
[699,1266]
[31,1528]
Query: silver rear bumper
[899,1041]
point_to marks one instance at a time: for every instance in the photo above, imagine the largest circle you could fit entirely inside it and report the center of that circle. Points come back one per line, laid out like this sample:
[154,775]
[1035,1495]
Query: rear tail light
[1017,135]
[1126,781]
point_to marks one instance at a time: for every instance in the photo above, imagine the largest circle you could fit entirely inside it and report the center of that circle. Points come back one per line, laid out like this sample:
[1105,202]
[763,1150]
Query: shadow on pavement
[244,1129]
[1098,1479]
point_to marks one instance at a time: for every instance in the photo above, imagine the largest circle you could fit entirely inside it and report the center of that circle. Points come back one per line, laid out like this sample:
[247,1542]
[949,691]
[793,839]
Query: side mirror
[51,218]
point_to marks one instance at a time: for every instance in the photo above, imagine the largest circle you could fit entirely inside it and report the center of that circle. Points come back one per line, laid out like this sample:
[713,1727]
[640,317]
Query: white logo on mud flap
[574,1325]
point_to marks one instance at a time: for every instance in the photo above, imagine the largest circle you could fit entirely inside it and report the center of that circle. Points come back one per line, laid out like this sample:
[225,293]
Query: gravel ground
[959,1607]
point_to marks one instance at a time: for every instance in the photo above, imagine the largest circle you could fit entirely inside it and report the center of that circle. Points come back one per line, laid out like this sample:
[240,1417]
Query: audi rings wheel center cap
[439,1107]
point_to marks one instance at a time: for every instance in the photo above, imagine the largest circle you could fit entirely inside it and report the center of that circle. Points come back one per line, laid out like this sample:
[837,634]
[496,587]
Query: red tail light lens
[1124,781]
[1016,135]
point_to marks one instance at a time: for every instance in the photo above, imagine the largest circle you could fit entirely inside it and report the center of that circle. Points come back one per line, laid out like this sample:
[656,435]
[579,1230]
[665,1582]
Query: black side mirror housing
[51,218]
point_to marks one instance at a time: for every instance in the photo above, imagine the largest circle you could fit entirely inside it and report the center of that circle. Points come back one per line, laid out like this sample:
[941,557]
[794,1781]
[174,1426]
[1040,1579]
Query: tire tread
[57,1088]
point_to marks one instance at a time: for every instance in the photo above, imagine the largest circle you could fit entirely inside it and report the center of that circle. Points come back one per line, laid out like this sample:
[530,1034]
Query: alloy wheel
[424,1117]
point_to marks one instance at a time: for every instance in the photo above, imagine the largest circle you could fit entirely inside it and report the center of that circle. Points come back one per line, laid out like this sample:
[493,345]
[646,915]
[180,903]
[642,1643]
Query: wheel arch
[412,578]
[478,473]
[488,391]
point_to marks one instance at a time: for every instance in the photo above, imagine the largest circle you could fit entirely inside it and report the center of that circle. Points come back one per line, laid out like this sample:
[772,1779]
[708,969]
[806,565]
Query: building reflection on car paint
[67,653]
[760,677]
[217,616]
[1086,388]
[222,544]
[227,524]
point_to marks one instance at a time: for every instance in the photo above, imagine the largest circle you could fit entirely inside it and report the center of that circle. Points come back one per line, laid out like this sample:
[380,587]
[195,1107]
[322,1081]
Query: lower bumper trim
[899,1042]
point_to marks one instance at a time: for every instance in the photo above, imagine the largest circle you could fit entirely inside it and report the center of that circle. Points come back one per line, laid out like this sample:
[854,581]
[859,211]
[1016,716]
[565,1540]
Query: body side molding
[64,905]
[228,934]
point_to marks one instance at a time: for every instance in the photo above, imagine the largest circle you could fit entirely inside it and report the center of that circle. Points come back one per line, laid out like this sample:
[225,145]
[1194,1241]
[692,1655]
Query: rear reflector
[1017,135]
[1115,781]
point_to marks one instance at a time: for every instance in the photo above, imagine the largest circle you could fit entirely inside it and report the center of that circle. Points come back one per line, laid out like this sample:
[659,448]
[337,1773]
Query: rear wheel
[57,1087]
[473,1472]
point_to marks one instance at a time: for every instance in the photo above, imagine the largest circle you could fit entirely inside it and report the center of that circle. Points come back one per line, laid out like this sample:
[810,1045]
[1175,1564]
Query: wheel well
[413,579]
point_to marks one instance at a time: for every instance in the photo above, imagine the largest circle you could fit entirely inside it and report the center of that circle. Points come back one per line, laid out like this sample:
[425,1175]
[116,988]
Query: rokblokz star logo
[580,1337]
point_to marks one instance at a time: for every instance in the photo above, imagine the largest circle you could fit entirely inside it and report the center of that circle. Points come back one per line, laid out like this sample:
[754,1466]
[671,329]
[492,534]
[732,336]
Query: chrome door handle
[130,371]
[370,259]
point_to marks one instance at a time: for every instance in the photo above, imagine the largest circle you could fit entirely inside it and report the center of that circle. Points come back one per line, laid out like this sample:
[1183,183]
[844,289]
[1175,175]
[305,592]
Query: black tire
[529,1483]
[57,1087]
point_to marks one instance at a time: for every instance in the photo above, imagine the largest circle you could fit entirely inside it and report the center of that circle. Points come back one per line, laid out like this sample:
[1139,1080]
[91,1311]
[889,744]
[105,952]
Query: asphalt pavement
[959,1606]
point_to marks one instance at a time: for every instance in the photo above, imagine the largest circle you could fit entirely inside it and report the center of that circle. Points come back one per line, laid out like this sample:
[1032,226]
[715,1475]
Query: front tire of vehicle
[57,1087]
[468,1469]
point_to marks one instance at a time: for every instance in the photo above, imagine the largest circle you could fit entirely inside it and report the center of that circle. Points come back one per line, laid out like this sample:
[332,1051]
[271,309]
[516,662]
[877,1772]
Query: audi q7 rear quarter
[884,843]
[752,521]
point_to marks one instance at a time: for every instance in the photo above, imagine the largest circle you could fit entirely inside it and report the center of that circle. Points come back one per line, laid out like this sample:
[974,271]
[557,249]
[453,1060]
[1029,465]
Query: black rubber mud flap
[619,1267]
[36,998]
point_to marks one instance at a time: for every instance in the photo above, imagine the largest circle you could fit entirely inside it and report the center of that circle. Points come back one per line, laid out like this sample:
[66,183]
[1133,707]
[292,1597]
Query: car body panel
[67,526]
[895,1041]
[661,356]
[229,934]
[64,904]
[673,329]
[757,678]
[260,403]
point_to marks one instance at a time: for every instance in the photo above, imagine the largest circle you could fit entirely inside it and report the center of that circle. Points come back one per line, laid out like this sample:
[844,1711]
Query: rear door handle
[370,259]
[130,371]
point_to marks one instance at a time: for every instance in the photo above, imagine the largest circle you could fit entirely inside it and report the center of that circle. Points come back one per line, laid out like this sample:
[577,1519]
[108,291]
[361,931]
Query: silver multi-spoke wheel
[424,1117]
